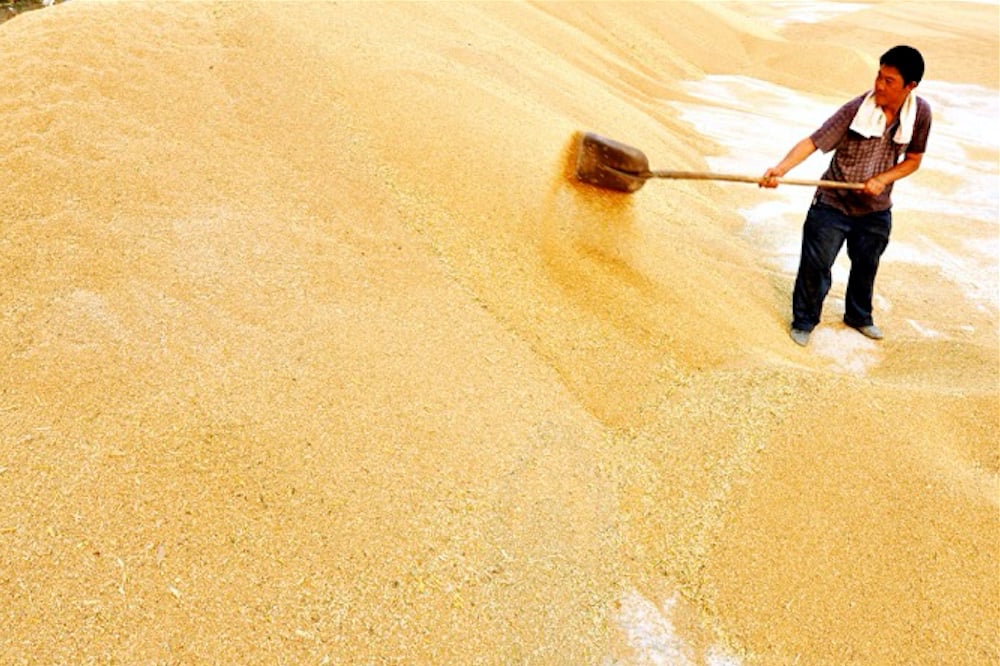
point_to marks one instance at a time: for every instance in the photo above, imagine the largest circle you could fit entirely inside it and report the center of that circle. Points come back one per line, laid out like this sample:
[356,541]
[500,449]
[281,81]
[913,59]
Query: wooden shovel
[615,166]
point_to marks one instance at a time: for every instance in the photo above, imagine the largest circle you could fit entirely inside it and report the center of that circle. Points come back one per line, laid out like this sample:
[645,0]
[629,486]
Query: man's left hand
[875,186]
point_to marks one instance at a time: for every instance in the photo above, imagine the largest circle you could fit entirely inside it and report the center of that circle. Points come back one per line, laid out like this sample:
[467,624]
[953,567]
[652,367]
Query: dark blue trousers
[823,234]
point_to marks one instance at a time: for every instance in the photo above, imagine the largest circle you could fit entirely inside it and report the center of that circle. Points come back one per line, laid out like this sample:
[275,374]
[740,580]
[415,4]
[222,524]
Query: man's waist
[853,203]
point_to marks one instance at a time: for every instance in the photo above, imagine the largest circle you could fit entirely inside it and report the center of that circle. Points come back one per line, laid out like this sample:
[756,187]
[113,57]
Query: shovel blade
[610,164]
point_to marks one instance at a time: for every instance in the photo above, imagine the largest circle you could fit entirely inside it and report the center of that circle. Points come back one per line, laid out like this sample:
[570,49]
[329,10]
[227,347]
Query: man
[868,135]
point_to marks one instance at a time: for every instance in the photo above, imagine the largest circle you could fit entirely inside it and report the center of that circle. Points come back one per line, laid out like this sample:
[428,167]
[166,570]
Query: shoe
[870,331]
[800,337]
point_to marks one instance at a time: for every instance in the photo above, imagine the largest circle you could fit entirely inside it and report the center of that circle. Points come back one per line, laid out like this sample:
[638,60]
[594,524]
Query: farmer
[868,135]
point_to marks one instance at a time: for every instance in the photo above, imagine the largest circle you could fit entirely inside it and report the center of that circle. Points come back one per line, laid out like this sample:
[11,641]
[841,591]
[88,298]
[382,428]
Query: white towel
[869,121]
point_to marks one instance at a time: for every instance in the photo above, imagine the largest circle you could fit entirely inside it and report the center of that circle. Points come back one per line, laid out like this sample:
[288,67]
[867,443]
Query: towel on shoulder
[869,121]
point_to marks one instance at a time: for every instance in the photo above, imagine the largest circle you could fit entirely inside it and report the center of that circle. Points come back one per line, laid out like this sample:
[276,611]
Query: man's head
[907,61]
[900,70]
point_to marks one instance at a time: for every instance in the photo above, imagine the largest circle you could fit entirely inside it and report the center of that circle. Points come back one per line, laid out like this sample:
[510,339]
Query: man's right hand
[770,177]
[795,156]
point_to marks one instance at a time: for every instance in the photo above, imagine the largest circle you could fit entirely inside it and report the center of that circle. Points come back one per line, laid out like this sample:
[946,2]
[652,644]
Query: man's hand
[770,177]
[874,186]
[795,156]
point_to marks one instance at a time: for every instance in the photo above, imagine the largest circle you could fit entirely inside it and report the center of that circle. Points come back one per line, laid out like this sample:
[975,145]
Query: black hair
[907,60]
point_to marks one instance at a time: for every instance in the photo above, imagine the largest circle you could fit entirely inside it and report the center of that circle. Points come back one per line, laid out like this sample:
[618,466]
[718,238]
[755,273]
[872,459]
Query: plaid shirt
[857,159]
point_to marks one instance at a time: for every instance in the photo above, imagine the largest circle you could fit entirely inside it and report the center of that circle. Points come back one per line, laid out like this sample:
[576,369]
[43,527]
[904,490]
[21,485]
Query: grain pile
[312,353]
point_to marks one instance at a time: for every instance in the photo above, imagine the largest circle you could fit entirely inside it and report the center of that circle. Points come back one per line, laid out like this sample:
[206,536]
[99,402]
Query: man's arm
[877,184]
[795,156]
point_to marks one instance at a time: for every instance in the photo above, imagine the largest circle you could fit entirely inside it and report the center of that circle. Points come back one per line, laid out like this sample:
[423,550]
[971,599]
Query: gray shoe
[800,337]
[871,331]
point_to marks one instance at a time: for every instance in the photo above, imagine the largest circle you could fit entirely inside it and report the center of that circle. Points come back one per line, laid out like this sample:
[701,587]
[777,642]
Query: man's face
[889,89]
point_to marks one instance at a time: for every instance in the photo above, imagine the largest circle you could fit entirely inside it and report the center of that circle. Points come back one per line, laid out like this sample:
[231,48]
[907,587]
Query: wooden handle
[703,175]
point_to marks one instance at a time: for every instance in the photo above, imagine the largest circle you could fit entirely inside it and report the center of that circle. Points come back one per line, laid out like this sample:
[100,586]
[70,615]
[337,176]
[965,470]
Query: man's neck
[891,112]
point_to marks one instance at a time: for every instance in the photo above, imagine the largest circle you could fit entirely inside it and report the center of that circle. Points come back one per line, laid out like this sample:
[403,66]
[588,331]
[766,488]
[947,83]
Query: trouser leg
[823,234]
[866,242]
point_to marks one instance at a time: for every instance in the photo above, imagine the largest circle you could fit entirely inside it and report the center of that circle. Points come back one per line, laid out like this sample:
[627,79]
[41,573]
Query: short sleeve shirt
[856,158]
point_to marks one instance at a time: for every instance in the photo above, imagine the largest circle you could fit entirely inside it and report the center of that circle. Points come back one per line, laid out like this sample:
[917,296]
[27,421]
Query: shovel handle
[703,175]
